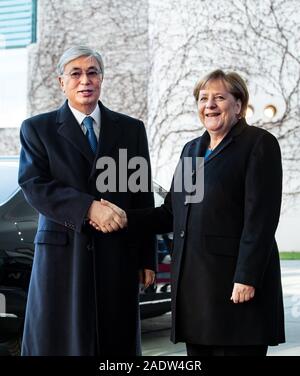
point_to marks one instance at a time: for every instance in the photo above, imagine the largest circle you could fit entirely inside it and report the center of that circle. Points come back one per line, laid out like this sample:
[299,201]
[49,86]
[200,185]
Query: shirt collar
[79,116]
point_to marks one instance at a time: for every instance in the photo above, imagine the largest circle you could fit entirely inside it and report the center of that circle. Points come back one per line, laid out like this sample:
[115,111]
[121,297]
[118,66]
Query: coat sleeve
[152,220]
[57,201]
[155,220]
[143,203]
[263,190]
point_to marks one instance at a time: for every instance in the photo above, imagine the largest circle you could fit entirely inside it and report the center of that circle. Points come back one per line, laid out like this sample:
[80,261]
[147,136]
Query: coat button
[182,233]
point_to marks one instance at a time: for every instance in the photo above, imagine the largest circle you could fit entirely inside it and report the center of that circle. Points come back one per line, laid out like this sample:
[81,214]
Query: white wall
[288,232]
[154,52]
[13,94]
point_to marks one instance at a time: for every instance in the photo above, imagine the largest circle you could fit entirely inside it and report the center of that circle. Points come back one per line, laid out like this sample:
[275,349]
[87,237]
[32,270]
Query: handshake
[106,217]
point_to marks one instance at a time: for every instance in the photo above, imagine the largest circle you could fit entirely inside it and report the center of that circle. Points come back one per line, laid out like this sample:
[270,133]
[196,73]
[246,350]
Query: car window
[9,179]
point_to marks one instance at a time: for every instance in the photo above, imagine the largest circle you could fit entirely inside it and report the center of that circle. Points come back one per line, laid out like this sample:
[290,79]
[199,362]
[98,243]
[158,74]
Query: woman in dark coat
[226,283]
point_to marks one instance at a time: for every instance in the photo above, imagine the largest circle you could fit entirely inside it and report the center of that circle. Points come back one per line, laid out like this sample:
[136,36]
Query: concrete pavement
[156,331]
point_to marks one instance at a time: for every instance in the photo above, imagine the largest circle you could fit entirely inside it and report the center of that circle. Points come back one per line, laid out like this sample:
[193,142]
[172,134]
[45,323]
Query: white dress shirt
[96,115]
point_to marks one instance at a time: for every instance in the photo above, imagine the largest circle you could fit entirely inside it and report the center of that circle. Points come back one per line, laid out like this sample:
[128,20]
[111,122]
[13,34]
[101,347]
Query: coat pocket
[51,237]
[221,245]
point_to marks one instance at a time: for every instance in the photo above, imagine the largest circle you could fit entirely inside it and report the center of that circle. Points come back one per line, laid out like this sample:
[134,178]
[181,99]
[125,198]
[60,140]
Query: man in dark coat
[83,293]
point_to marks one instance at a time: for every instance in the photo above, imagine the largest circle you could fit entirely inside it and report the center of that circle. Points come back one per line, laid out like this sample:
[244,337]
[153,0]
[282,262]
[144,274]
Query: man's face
[81,83]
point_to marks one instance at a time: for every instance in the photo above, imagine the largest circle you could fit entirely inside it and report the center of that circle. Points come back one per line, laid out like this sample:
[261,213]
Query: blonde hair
[233,82]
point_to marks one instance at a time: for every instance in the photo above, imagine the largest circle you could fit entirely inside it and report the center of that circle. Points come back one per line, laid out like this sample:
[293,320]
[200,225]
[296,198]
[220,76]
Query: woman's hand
[242,293]
[147,277]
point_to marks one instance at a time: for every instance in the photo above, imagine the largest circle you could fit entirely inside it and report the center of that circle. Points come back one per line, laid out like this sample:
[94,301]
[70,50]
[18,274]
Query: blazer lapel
[111,132]
[70,130]
[223,144]
[227,140]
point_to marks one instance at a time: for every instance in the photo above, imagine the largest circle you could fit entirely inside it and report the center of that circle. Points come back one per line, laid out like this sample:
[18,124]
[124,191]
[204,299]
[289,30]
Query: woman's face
[217,108]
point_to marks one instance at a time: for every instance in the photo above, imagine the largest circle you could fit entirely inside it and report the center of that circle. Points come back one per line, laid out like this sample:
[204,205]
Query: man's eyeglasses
[91,74]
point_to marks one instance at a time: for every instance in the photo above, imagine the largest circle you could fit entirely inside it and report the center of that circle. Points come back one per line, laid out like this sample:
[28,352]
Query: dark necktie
[88,123]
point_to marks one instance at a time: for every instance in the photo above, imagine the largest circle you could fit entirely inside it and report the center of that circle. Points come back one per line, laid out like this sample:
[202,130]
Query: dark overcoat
[83,294]
[228,237]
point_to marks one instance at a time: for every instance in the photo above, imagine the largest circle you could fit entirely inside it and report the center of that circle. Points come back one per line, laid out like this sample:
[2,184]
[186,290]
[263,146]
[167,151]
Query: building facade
[155,51]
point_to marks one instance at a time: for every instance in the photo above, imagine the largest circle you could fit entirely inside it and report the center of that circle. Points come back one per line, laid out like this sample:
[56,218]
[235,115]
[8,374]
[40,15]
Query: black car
[18,224]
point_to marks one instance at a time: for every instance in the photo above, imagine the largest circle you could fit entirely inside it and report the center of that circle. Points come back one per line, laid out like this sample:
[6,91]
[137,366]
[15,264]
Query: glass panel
[13,78]
[17,23]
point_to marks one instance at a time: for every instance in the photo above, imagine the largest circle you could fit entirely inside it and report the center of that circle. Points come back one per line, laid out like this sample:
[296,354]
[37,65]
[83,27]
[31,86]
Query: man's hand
[113,207]
[104,218]
[242,293]
[147,277]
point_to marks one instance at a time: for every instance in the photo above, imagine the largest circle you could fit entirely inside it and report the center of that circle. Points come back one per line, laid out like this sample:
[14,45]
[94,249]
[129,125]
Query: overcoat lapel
[198,147]
[70,130]
[222,145]
[228,139]
[111,133]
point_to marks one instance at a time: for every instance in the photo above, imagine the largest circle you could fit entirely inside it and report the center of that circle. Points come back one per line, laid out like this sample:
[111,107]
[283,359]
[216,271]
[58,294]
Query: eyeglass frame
[97,72]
